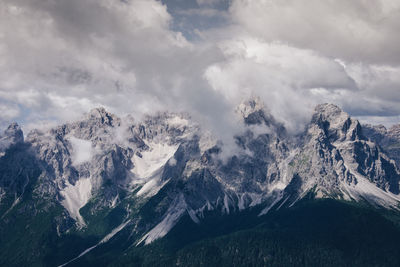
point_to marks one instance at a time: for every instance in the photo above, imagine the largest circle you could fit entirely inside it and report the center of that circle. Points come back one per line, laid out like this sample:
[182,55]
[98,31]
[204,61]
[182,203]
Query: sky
[61,58]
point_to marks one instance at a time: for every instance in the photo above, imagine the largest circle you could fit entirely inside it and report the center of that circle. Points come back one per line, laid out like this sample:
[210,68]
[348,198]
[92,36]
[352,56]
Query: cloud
[8,111]
[72,55]
[54,52]
[283,76]
[82,150]
[359,30]
[387,121]
[308,52]
[62,58]
[59,59]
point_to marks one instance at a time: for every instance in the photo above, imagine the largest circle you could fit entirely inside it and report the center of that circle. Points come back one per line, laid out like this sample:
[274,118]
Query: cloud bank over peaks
[281,75]
[75,55]
[59,59]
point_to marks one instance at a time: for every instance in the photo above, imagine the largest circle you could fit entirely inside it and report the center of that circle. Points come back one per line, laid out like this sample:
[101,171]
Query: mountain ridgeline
[113,191]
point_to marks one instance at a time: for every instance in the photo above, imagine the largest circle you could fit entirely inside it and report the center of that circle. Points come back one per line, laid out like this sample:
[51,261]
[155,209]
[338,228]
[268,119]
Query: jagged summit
[11,136]
[255,113]
[250,106]
[101,115]
[328,109]
[336,124]
[330,116]
[336,160]
[14,133]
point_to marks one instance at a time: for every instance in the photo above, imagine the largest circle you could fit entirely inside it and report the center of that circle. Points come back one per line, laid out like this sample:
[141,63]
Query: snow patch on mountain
[270,206]
[174,213]
[364,189]
[172,161]
[75,197]
[150,161]
[226,204]
[152,186]
[104,240]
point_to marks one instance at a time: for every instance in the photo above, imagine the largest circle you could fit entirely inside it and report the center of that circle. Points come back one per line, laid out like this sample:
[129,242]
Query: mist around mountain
[163,191]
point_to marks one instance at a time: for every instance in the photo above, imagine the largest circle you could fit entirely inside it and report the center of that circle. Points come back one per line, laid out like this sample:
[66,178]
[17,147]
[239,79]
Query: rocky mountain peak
[330,114]
[103,116]
[12,135]
[336,124]
[15,133]
[328,109]
[250,106]
[254,112]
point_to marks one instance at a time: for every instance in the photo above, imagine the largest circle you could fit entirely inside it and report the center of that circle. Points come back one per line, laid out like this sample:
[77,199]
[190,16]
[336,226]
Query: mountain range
[161,191]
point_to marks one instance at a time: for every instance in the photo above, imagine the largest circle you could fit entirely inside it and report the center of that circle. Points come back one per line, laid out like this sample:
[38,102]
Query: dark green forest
[312,233]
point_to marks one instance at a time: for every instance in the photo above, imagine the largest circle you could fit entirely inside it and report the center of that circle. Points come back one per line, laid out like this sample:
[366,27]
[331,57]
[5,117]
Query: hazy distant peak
[102,115]
[250,106]
[13,133]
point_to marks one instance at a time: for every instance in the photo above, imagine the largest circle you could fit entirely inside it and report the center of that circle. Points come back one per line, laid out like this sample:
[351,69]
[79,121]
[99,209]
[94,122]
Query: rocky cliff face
[336,160]
[156,171]
[387,139]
